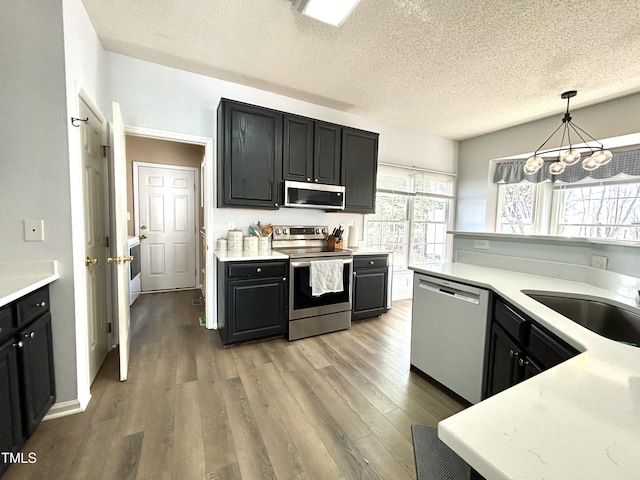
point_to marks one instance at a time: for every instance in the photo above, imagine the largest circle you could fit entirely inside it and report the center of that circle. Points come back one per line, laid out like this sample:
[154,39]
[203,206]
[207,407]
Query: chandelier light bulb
[557,168]
[589,164]
[602,157]
[570,157]
[533,164]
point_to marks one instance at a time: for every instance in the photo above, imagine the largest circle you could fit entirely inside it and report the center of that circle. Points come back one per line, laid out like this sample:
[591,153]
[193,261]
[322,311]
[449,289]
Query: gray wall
[605,120]
[34,159]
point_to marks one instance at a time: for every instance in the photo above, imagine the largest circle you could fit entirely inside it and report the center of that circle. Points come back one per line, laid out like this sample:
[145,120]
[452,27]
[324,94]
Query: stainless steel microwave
[313,195]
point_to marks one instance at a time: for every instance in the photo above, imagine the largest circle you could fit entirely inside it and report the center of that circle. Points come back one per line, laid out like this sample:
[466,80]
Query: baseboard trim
[71,407]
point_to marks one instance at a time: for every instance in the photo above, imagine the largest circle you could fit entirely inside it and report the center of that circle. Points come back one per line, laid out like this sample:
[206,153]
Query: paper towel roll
[354,236]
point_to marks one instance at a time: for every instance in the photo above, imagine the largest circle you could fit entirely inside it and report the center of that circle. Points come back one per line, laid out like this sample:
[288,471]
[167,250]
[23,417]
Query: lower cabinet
[519,349]
[27,383]
[370,286]
[252,300]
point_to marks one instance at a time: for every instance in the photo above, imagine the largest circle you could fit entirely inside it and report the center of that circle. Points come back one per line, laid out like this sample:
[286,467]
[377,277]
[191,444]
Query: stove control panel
[297,232]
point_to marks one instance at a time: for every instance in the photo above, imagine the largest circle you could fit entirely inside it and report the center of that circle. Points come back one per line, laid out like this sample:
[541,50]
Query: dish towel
[325,276]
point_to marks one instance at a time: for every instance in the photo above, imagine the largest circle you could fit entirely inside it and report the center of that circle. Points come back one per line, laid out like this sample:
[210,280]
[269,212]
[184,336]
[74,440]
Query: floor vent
[197,301]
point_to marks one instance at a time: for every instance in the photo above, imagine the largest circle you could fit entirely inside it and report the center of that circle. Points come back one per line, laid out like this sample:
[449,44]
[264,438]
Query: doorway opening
[166,210]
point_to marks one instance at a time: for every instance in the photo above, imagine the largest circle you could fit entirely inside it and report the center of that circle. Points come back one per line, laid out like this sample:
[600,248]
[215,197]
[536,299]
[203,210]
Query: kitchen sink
[599,316]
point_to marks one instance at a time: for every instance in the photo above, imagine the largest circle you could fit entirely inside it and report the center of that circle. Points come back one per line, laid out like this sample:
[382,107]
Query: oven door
[302,304]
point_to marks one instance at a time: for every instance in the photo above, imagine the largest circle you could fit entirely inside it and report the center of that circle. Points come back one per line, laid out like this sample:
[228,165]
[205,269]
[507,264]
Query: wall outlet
[231,225]
[34,230]
[599,262]
[481,245]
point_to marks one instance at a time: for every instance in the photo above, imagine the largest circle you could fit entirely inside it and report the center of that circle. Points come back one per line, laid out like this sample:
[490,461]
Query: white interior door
[94,186]
[119,249]
[167,227]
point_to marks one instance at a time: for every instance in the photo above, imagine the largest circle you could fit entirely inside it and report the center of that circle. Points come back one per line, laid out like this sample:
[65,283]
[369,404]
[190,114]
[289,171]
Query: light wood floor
[329,407]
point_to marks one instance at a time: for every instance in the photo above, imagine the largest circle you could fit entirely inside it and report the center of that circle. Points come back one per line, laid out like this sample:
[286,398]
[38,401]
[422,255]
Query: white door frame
[207,180]
[196,213]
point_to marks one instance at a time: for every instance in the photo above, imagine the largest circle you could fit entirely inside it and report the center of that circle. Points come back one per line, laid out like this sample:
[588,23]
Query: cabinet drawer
[511,320]
[6,323]
[374,261]
[32,306]
[548,350]
[257,270]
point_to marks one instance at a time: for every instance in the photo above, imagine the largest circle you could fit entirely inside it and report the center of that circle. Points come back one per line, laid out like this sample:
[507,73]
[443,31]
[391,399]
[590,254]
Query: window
[412,215]
[574,207]
[599,210]
[515,208]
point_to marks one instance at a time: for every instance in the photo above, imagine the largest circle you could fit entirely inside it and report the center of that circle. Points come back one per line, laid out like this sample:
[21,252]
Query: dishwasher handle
[453,290]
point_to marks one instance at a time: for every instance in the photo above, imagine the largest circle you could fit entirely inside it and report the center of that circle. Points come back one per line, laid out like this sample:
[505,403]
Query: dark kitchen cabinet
[311,150]
[10,419]
[253,300]
[327,166]
[359,169]
[27,382]
[370,286]
[249,156]
[519,349]
[297,148]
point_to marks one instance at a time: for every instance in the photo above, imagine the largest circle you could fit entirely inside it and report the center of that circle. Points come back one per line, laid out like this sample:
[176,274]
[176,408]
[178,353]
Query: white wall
[162,98]
[34,165]
[605,120]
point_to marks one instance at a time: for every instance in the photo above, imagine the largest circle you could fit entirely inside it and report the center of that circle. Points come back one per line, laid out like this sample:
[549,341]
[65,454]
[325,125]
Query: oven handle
[307,264]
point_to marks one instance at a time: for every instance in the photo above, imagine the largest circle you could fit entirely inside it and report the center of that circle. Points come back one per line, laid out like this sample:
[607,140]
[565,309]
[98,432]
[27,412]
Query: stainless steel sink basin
[603,318]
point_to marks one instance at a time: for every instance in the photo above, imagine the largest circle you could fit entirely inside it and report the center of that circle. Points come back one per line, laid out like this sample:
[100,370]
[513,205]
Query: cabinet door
[503,361]
[369,293]
[359,169]
[255,309]
[36,357]
[249,155]
[529,367]
[10,419]
[297,148]
[326,156]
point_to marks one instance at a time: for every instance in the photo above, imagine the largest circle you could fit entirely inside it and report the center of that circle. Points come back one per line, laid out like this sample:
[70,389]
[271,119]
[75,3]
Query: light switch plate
[599,262]
[481,245]
[34,230]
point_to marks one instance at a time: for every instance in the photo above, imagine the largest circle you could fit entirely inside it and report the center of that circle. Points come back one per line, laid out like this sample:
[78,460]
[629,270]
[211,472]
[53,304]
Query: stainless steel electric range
[313,315]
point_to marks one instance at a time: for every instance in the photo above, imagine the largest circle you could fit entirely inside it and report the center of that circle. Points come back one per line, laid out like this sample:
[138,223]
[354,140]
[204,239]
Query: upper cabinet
[259,148]
[311,151]
[249,155]
[359,169]
[326,153]
[297,148]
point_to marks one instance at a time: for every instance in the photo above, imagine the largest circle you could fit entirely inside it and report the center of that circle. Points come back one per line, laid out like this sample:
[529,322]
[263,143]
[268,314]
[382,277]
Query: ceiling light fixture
[333,12]
[568,155]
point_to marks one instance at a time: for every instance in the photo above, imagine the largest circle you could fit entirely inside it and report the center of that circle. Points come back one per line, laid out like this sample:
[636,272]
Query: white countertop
[232,256]
[368,251]
[18,279]
[578,420]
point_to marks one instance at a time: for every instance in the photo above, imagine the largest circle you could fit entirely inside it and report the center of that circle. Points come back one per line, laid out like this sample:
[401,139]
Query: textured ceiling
[449,67]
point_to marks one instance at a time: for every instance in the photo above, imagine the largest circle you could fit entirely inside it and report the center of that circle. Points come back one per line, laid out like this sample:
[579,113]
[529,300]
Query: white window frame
[558,193]
[411,195]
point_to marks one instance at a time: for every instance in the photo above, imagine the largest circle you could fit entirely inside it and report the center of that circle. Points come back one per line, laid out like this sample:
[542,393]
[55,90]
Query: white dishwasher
[448,332]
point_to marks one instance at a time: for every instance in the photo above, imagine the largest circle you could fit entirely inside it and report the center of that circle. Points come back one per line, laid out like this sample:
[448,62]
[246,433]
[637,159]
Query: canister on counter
[263,243]
[234,240]
[221,245]
[250,243]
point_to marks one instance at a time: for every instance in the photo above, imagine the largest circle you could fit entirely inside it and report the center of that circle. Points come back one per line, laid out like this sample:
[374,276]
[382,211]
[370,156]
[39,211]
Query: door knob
[143,227]
[117,260]
[90,261]
[142,237]
[127,259]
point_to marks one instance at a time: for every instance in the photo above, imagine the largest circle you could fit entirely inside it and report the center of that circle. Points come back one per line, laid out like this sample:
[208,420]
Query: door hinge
[109,327]
[104,150]
[106,242]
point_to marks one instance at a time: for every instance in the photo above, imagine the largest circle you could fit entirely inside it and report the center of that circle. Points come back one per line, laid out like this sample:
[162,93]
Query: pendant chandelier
[568,155]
